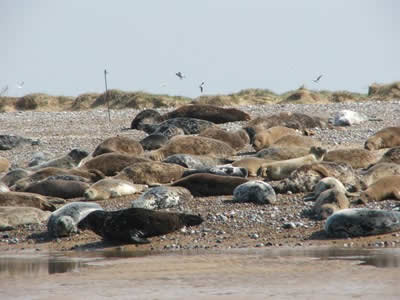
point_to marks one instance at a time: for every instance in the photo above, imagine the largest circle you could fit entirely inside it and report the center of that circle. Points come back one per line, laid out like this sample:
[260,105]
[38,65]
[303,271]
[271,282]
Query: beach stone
[355,222]
[162,197]
[256,191]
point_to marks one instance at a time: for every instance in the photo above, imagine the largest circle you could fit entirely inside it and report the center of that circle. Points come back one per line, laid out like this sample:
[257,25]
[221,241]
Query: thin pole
[108,103]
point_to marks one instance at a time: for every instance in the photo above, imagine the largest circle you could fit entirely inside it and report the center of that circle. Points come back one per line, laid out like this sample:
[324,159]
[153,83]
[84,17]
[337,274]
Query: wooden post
[106,95]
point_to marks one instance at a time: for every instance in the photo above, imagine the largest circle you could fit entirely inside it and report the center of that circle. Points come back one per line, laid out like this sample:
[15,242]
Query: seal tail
[191,220]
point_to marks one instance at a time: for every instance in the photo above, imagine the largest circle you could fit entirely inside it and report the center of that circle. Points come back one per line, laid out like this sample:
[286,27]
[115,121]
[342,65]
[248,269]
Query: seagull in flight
[316,80]
[180,75]
[20,85]
[201,86]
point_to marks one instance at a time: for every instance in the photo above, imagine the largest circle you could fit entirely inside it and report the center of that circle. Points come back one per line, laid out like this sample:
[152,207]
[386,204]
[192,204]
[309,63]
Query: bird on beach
[201,86]
[180,75]
[316,80]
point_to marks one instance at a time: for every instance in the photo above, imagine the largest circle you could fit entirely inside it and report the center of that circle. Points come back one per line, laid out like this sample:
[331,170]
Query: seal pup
[153,141]
[111,163]
[376,172]
[188,125]
[236,139]
[150,173]
[256,191]
[356,157]
[387,187]
[163,197]
[110,188]
[212,113]
[355,222]
[328,202]
[135,225]
[385,138]
[26,200]
[225,170]
[282,153]
[64,221]
[196,161]
[204,185]
[196,145]
[13,216]
[147,116]
[65,189]
[281,169]
[68,161]
[267,137]
[120,144]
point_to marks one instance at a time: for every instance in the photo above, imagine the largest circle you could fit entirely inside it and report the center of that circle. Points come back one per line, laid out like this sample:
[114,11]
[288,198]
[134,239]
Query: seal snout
[192,220]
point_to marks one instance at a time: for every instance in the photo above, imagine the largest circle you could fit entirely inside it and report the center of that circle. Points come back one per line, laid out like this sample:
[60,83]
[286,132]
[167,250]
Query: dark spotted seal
[147,116]
[153,141]
[68,161]
[188,125]
[135,225]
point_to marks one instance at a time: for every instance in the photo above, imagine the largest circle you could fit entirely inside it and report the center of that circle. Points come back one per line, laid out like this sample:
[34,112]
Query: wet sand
[240,274]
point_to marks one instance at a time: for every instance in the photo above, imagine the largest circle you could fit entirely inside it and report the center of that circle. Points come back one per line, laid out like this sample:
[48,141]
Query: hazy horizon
[62,47]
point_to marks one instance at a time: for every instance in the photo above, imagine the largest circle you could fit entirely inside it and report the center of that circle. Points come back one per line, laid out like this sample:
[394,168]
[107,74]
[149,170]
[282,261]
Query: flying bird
[201,86]
[180,75]
[20,85]
[316,80]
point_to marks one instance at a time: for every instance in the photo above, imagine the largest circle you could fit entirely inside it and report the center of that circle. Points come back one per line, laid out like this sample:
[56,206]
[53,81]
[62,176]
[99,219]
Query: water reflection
[52,263]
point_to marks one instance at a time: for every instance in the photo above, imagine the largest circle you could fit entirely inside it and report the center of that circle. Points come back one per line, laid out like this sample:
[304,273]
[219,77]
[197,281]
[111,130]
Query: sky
[63,47]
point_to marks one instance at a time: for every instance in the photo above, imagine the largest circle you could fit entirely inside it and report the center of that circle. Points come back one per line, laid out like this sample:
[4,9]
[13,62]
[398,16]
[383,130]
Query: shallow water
[27,264]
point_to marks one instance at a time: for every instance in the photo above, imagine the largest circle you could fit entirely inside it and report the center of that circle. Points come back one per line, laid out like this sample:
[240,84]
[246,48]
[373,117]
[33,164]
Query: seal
[110,188]
[147,116]
[120,144]
[224,170]
[111,163]
[236,139]
[26,200]
[387,187]
[355,222]
[153,141]
[297,141]
[3,187]
[267,137]
[281,169]
[65,189]
[11,177]
[64,221]
[150,173]
[385,138]
[212,113]
[355,157]
[378,171]
[188,125]
[196,161]
[163,197]
[392,155]
[256,191]
[328,202]
[68,161]
[13,216]
[196,145]
[304,179]
[204,185]
[39,158]
[252,164]
[326,184]
[282,153]
[135,225]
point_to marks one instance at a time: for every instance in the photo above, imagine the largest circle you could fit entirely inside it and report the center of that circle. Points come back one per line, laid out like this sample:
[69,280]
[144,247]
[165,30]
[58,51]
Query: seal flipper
[136,237]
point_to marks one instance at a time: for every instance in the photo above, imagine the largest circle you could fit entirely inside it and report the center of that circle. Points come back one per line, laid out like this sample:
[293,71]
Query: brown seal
[196,145]
[26,200]
[111,163]
[282,169]
[210,113]
[387,187]
[236,139]
[282,153]
[391,156]
[355,157]
[65,189]
[297,141]
[110,188]
[204,184]
[377,171]
[252,164]
[121,144]
[385,138]
[328,202]
[267,137]
[151,173]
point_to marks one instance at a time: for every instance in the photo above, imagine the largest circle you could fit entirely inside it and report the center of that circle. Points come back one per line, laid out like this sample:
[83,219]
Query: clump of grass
[304,96]
[384,91]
